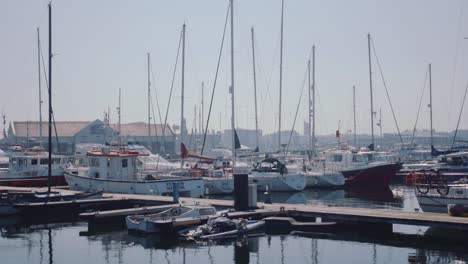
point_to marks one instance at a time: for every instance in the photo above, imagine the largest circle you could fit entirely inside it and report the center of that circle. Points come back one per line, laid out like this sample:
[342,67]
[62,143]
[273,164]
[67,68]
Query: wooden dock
[330,213]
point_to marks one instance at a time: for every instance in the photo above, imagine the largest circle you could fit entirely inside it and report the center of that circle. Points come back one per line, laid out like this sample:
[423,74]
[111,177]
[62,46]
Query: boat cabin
[122,164]
[455,159]
[35,162]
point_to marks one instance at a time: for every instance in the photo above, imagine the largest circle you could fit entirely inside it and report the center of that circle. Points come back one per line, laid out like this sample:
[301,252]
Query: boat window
[370,157]
[207,211]
[337,158]
[13,161]
[44,161]
[21,162]
[357,158]
[124,163]
[34,162]
[108,162]
[94,162]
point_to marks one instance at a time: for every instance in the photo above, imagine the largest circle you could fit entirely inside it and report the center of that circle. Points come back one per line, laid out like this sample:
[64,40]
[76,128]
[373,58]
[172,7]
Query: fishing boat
[363,168]
[221,228]
[118,170]
[30,169]
[170,220]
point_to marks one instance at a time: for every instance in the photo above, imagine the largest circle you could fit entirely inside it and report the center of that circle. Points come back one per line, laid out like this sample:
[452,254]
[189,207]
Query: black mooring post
[241,193]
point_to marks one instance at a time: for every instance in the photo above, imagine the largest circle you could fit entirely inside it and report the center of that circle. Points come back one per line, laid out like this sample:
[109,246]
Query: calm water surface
[62,242]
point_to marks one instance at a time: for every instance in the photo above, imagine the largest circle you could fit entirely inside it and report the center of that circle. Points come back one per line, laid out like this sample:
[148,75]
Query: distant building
[70,133]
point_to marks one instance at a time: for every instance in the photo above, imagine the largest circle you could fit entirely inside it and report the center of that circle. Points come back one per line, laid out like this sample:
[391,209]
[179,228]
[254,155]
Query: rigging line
[297,109]
[419,108]
[459,116]
[386,91]
[153,83]
[47,85]
[269,78]
[215,80]
[172,85]
[457,48]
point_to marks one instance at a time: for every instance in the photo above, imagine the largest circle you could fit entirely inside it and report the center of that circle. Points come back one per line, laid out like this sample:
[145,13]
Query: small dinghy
[220,228]
[170,220]
[9,199]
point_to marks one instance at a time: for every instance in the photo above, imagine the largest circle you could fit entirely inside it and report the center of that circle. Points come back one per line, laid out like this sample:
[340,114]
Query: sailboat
[35,167]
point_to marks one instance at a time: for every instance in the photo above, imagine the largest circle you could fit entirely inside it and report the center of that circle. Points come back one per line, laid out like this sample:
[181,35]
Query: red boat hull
[33,181]
[371,178]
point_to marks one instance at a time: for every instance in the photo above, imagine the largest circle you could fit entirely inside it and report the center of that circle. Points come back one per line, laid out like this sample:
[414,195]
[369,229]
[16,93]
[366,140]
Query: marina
[235,162]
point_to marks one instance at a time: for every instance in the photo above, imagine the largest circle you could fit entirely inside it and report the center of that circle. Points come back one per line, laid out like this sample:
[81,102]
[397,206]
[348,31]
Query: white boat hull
[438,204]
[187,187]
[277,182]
[218,185]
[324,180]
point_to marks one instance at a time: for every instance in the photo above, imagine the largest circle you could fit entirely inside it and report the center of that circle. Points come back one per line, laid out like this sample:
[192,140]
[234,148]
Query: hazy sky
[101,46]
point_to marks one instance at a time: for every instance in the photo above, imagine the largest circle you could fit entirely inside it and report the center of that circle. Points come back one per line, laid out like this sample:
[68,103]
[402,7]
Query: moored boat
[118,171]
[170,220]
[29,169]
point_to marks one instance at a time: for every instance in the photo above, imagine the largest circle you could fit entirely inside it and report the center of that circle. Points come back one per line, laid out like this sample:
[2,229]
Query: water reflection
[23,241]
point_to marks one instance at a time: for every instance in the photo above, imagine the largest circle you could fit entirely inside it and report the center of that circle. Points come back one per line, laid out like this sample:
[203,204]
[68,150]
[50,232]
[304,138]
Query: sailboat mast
[430,101]
[119,111]
[370,85]
[202,120]
[354,115]
[280,77]
[183,88]
[255,86]
[313,100]
[233,124]
[39,81]
[149,97]
[49,169]
[309,112]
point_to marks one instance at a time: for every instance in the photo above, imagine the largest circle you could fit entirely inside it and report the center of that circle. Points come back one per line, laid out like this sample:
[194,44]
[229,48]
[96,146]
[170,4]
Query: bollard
[241,196]
[175,192]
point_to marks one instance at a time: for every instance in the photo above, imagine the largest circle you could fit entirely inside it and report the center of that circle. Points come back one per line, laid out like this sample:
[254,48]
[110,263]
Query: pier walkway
[330,213]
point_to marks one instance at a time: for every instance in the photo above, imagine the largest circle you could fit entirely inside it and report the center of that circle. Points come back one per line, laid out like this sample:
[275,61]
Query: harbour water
[31,242]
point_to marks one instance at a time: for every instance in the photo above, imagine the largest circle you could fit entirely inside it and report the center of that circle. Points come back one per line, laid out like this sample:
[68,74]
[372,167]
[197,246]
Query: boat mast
[354,114]
[281,77]
[255,86]
[39,81]
[370,85]
[430,101]
[313,100]
[233,125]
[119,111]
[182,97]
[49,172]
[149,99]
[202,120]
[309,112]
